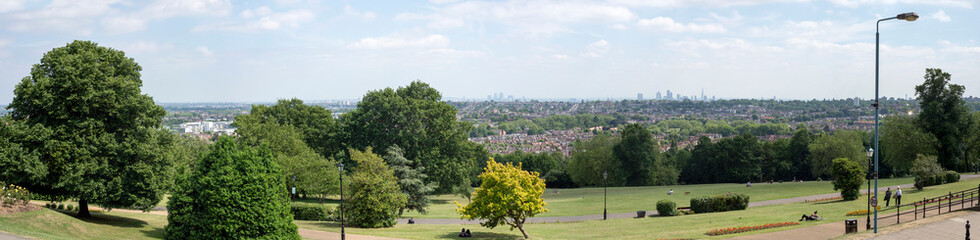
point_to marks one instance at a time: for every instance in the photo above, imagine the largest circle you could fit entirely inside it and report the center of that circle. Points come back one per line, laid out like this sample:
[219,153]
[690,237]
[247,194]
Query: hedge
[947,177]
[720,203]
[667,208]
[313,212]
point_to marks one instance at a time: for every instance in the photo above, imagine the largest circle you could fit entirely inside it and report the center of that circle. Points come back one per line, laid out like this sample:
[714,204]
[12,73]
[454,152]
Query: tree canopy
[92,134]
[507,195]
[945,116]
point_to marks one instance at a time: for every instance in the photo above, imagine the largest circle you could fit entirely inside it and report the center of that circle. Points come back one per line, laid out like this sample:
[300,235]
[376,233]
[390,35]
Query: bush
[720,203]
[848,177]
[667,208]
[927,172]
[61,206]
[952,176]
[70,207]
[234,192]
[312,212]
[375,195]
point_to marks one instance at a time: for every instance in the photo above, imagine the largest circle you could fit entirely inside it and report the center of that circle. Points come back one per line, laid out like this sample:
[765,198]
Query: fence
[953,201]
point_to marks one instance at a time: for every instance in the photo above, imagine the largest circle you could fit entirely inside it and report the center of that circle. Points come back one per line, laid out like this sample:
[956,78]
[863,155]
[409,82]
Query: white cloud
[857,3]
[168,8]
[941,16]
[596,49]
[456,53]
[524,16]
[368,15]
[146,47]
[61,15]
[205,51]
[262,18]
[11,5]
[669,25]
[391,42]
[693,3]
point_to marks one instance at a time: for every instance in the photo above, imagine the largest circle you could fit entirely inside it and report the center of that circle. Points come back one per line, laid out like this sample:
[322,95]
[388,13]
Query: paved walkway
[7,236]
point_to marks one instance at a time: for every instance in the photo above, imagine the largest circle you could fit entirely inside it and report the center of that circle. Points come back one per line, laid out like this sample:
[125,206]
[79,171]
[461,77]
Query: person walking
[898,197]
[888,196]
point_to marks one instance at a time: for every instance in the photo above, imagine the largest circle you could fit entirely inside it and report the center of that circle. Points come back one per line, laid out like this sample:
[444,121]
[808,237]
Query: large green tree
[946,116]
[313,173]
[234,192]
[840,144]
[410,179]
[848,176]
[417,120]
[507,195]
[641,158]
[96,135]
[799,153]
[315,124]
[902,140]
[374,194]
[593,157]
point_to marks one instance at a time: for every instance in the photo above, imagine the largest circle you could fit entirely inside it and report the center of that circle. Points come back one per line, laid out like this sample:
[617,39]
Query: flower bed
[920,203]
[733,230]
[13,194]
[861,212]
[824,199]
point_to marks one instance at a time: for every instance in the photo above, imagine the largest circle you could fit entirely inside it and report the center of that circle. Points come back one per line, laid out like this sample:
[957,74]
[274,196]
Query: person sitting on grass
[811,217]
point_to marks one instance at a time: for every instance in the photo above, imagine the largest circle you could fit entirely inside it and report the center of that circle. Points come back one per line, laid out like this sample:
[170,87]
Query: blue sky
[248,51]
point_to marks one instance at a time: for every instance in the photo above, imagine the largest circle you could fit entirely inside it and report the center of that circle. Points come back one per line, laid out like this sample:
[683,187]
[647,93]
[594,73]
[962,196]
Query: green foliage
[314,124]
[946,116]
[61,206]
[902,139]
[641,158]
[96,136]
[799,153]
[591,158]
[314,174]
[12,194]
[848,176]
[464,189]
[927,172]
[736,159]
[840,144]
[417,120]
[410,179]
[311,212]
[70,207]
[375,195]
[234,192]
[720,203]
[507,195]
[667,208]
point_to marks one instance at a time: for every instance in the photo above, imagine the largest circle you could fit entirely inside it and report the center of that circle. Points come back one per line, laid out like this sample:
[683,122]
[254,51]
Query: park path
[881,190]
[7,236]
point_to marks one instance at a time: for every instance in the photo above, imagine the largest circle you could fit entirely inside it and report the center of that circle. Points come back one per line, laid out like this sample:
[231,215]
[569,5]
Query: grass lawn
[689,226]
[588,201]
[50,224]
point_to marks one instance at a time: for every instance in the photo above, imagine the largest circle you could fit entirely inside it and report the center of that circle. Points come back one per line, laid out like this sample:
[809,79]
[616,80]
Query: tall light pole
[909,16]
[604,176]
[870,152]
[340,167]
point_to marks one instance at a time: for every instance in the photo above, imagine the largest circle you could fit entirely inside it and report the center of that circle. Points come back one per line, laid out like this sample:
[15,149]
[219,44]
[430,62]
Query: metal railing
[961,200]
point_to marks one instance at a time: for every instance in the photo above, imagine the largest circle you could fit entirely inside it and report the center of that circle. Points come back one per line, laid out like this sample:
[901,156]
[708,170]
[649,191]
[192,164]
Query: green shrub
[952,176]
[848,177]
[313,212]
[234,192]
[70,207]
[61,206]
[720,203]
[667,208]
[375,195]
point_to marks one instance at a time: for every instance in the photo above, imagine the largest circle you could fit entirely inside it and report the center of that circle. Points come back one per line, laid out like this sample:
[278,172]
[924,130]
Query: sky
[260,51]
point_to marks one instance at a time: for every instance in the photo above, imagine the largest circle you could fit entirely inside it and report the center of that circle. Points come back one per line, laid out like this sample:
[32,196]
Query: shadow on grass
[482,235]
[441,201]
[316,201]
[832,202]
[110,220]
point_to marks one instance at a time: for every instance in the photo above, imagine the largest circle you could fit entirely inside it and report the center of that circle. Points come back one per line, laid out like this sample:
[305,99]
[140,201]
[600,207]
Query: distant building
[659,97]
[670,95]
[639,96]
[857,101]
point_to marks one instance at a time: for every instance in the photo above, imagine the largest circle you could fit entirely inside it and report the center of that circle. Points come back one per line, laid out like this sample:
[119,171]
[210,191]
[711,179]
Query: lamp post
[909,16]
[604,176]
[292,195]
[870,152]
[340,167]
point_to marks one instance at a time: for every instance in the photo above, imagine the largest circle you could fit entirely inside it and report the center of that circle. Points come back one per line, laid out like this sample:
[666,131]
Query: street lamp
[340,167]
[909,16]
[871,153]
[604,176]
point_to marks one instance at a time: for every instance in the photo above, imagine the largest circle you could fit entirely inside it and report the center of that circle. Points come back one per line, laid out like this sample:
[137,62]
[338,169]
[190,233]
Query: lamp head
[340,167]
[870,152]
[909,16]
[605,175]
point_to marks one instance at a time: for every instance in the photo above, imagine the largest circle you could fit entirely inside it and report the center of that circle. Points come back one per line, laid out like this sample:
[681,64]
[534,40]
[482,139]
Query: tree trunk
[400,211]
[83,209]
[521,227]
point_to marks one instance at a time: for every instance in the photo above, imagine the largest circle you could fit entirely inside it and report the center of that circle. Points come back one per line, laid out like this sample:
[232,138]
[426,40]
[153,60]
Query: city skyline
[223,51]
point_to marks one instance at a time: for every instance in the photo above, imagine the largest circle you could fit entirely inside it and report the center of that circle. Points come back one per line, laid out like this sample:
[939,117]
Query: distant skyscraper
[857,101]
[639,96]
[659,96]
[670,95]
[702,95]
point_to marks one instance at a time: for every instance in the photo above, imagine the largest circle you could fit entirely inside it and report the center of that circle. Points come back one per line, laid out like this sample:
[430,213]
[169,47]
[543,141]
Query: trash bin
[641,214]
[850,226]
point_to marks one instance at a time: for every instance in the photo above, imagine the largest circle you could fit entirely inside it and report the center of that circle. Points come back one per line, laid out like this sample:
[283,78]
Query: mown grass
[50,224]
[588,201]
[688,226]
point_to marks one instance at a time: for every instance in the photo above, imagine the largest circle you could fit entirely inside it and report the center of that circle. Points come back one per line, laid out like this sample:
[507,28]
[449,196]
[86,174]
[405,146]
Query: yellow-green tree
[507,195]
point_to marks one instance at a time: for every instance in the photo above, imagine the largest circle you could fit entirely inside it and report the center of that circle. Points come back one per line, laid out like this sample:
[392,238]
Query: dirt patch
[16,208]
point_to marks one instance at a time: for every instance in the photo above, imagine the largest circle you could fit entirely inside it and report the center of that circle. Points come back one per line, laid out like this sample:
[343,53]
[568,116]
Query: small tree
[848,176]
[234,192]
[507,195]
[375,196]
[927,171]
[410,179]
